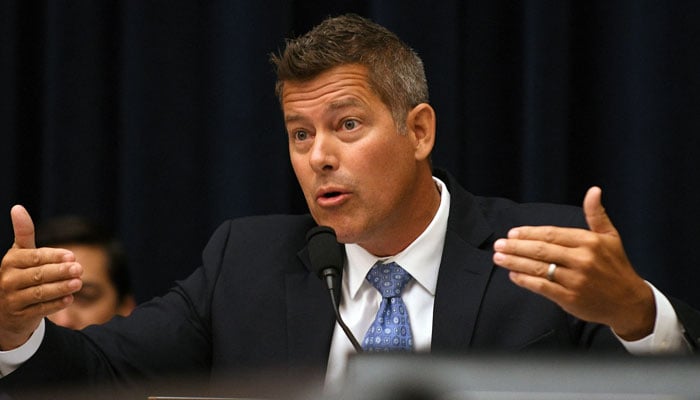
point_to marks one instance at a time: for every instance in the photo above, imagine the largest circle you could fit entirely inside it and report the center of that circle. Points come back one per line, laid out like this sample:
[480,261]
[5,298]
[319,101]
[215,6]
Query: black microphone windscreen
[324,250]
[327,257]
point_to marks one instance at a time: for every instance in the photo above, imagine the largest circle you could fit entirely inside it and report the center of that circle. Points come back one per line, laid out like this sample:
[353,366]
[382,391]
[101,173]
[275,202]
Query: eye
[88,295]
[350,124]
[301,135]
[85,297]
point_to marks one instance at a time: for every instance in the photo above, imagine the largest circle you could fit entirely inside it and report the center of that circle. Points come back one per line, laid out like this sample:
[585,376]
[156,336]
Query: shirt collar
[421,258]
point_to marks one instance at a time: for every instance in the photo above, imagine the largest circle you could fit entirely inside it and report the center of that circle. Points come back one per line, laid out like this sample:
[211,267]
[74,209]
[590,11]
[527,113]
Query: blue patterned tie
[391,330]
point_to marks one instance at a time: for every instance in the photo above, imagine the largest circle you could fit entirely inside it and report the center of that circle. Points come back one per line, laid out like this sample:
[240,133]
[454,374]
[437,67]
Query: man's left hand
[593,278]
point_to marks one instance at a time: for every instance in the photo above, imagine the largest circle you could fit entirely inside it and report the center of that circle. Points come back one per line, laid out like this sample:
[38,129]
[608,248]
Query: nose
[323,156]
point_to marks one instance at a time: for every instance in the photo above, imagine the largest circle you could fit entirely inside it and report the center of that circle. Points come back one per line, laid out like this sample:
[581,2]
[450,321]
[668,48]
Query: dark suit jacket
[255,306]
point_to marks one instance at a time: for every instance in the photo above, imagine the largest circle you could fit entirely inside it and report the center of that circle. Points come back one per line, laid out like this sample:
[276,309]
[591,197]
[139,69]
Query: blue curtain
[159,119]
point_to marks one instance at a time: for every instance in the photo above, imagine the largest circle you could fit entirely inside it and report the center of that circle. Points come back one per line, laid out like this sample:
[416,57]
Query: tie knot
[389,279]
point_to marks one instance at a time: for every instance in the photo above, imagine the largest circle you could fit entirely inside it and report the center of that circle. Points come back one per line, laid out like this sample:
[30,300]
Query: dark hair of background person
[74,230]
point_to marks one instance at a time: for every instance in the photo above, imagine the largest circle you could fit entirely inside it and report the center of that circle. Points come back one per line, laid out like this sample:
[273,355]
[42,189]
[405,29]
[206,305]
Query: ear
[127,305]
[421,126]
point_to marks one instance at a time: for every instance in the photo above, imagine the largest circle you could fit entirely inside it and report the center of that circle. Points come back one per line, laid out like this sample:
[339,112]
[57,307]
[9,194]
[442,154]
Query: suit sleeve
[690,319]
[169,335]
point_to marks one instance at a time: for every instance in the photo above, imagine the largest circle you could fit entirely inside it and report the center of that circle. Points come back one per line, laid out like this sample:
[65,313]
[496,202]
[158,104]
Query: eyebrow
[293,118]
[332,106]
[343,103]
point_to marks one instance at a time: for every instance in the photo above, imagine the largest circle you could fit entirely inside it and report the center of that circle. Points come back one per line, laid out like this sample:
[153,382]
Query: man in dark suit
[360,132]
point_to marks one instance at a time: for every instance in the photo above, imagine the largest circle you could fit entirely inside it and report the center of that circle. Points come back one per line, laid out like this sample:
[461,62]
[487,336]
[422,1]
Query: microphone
[326,256]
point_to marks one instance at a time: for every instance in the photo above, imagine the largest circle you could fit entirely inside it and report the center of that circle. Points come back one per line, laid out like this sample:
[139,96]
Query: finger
[23,227]
[562,236]
[537,250]
[596,217]
[45,308]
[521,264]
[531,267]
[48,273]
[30,258]
[50,292]
[541,286]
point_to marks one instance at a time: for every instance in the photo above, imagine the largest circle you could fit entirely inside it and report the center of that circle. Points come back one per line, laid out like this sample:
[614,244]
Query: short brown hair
[395,71]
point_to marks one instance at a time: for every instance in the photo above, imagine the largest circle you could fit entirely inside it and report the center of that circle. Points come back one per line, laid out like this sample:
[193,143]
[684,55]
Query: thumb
[596,217]
[23,227]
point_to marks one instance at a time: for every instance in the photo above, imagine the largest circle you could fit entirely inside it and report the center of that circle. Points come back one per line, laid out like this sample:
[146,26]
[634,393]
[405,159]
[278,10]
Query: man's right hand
[33,282]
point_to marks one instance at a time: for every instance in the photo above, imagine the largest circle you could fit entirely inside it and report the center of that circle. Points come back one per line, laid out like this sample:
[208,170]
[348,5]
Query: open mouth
[331,198]
[330,195]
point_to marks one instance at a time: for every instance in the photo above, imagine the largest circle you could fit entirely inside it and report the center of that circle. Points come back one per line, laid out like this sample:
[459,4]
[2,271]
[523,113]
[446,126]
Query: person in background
[106,289]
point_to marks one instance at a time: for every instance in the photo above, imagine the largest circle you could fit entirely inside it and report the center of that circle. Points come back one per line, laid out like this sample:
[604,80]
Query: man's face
[357,172]
[97,301]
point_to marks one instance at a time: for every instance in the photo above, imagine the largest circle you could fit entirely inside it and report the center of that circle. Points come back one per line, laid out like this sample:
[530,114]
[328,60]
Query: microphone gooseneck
[326,256]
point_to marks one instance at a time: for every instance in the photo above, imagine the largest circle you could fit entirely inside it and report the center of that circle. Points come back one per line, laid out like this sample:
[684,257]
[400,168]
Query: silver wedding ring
[550,272]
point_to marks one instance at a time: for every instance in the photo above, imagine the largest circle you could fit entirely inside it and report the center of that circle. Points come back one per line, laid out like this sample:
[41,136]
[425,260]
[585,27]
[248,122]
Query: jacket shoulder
[501,210]
[258,231]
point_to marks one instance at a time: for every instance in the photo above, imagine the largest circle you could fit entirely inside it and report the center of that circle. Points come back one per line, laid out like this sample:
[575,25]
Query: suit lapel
[310,318]
[465,271]
[464,275]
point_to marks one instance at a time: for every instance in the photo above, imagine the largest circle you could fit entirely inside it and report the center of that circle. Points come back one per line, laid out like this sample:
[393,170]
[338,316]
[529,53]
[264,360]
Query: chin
[346,233]
[342,233]
[347,229]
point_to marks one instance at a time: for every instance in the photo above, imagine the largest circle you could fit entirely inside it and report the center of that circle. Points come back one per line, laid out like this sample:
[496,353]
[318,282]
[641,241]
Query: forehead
[342,84]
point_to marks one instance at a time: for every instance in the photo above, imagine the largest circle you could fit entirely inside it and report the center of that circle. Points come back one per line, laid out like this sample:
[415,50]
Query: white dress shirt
[360,301]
